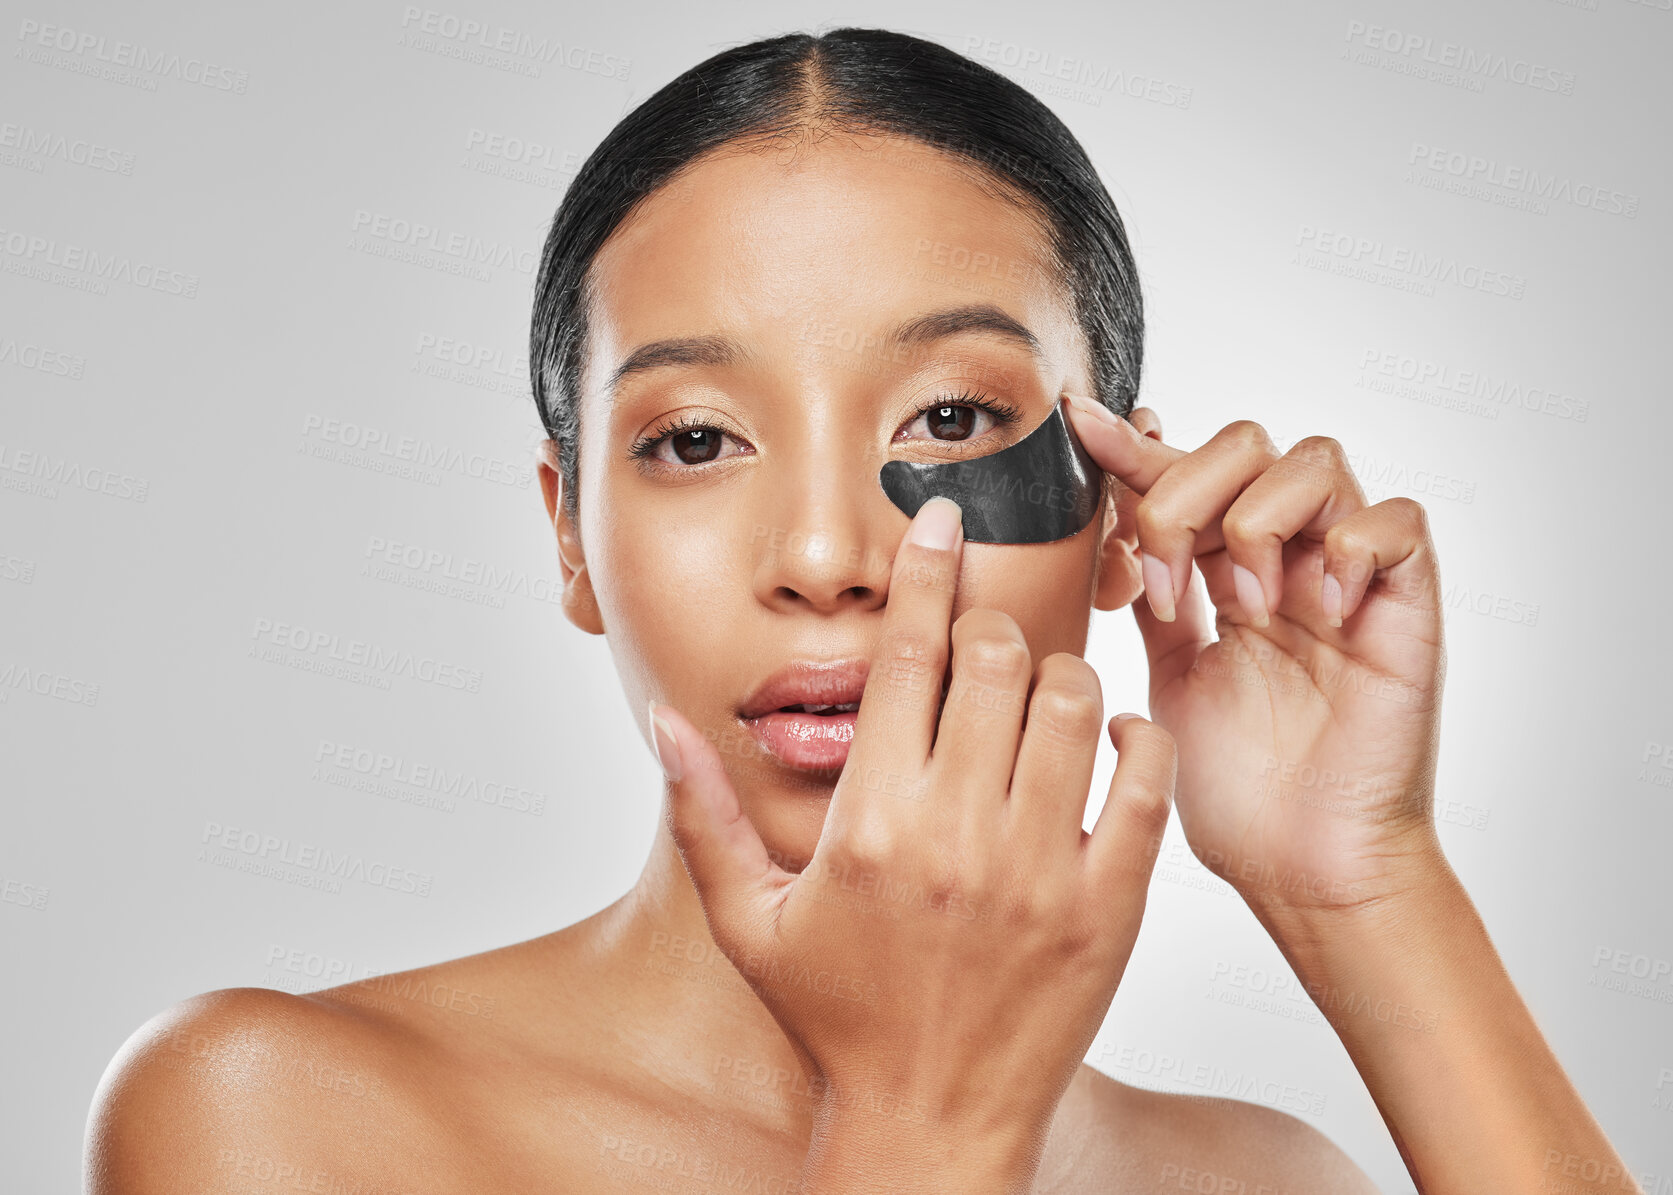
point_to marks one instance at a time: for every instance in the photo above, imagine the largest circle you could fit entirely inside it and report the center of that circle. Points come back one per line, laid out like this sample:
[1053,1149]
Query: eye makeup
[701,431]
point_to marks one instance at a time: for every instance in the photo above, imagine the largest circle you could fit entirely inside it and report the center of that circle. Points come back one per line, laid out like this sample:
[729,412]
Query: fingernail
[937,523]
[1093,408]
[1330,597]
[1250,595]
[1158,586]
[667,746]
[1123,717]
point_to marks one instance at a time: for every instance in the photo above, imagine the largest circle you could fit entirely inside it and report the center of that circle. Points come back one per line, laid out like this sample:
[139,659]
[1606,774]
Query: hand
[1308,730]
[944,961]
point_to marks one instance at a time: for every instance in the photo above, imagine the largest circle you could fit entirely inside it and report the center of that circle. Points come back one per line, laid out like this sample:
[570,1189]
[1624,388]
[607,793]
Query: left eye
[950,422]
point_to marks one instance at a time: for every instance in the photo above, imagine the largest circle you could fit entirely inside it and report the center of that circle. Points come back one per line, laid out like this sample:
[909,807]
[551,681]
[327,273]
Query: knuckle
[998,663]
[1411,510]
[1321,448]
[1345,539]
[1246,433]
[1068,712]
[1147,807]
[904,649]
[868,840]
[1238,526]
[910,660]
[1152,519]
[925,569]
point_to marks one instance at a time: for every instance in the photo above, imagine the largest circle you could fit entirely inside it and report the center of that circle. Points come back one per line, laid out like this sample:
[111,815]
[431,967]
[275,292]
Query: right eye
[690,441]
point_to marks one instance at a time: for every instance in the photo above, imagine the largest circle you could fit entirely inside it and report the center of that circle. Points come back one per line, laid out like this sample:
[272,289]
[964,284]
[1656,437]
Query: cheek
[669,593]
[1047,588]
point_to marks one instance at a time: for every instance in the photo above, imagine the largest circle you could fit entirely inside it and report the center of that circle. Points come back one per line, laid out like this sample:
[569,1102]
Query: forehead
[830,238]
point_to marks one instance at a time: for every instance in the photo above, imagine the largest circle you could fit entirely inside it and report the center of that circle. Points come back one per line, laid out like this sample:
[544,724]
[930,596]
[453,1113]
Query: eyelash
[645,446]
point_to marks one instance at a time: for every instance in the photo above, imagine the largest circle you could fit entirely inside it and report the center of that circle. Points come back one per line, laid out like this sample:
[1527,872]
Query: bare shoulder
[1136,1139]
[387,1082]
[255,1084]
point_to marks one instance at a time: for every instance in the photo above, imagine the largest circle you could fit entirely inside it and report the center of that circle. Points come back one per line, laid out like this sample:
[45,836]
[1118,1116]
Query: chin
[790,817]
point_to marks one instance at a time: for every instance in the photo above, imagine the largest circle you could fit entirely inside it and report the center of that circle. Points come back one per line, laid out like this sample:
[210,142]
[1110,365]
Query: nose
[826,539]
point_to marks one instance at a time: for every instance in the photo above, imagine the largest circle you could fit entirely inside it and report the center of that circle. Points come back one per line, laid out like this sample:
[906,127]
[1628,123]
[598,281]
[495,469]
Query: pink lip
[807,742]
[808,682]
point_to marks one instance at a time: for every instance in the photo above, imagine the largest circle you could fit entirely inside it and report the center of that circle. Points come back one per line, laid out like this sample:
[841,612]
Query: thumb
[724,855]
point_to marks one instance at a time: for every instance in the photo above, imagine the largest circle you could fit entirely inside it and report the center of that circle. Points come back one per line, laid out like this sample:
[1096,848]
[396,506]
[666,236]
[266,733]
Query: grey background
[178,476]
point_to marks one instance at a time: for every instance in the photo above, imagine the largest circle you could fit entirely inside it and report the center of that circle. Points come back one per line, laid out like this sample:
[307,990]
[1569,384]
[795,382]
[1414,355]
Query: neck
[689,1012]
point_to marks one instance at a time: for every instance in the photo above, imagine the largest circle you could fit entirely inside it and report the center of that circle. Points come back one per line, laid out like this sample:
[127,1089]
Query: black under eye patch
[1044,487]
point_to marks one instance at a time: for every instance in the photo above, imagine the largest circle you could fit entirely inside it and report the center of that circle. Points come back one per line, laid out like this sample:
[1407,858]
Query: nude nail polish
[1330,597]
[1250,595]
[1158,586]
[667,746]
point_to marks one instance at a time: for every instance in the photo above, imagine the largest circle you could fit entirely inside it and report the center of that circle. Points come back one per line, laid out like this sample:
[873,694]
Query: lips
[809,685]
[804,714]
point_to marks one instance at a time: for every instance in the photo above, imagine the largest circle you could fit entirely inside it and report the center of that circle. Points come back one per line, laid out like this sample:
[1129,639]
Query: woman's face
[731,518]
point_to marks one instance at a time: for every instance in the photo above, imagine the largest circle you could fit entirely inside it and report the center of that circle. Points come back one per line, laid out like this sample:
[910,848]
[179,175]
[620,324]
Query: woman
[872,943]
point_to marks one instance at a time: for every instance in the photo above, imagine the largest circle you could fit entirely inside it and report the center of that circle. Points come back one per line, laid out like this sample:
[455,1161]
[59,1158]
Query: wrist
[1404,960]
[1415,887]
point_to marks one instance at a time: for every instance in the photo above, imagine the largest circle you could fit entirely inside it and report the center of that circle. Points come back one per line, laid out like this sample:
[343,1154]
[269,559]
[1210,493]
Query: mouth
[804,714]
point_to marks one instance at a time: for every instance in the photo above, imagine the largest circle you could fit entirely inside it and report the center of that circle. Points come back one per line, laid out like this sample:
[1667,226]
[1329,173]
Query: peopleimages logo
[359,654]
[416,234]
[146,65]
[365,446]
[1475,175]
[1424,268]
[453,36]
[33,252]
[305,863]
[40,143]
[1421,49]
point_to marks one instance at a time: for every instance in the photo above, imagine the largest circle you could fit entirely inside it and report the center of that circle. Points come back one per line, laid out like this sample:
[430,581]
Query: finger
[982,720]
[736,880]
[1172,647]
[1054,765]
[1305,492]
[1393,538]
[1121,853]
[896,721]
[1118,447]
[1180,516]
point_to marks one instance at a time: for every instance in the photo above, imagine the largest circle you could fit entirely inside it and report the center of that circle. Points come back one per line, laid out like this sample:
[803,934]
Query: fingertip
[665,741]
[938,525]
[1117,726]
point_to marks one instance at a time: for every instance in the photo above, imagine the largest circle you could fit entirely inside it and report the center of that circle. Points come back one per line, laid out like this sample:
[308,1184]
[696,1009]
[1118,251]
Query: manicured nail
[937,523]
[667,746]
[1250,595]
[1330,597]
[1158,586]
[1093,408]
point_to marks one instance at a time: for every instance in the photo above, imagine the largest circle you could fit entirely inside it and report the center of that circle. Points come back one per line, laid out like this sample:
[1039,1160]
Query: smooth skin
[627,1048]
[1021,891]
[1328,661]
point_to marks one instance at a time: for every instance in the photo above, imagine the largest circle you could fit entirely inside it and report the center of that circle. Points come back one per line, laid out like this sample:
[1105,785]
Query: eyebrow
[919,330]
